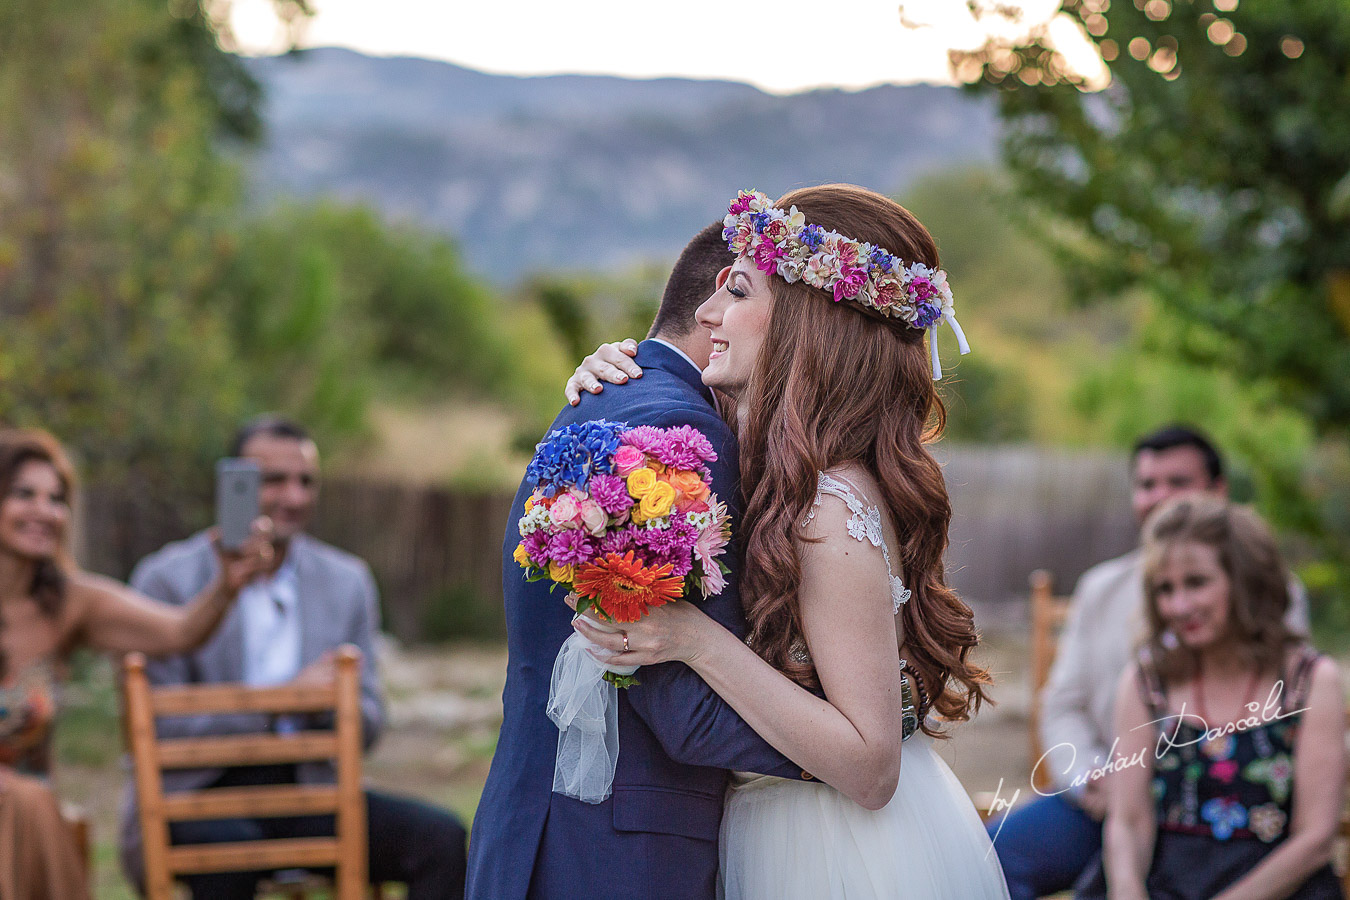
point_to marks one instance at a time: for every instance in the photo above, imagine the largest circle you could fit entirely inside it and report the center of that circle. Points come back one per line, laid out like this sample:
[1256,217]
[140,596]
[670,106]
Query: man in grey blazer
[285,628]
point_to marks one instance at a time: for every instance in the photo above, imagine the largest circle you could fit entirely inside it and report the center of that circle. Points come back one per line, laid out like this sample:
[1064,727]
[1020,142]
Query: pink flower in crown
[767,255]
[741,203]
[850,282]
[776,230]
[848,255]
[888,289]
[565,512]
[628,459]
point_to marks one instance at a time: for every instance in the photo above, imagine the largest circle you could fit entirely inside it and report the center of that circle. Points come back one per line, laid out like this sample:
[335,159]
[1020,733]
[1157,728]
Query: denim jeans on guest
[1044,846]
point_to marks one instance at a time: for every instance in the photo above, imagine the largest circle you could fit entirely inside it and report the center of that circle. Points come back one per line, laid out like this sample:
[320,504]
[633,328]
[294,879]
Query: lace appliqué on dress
[863,525]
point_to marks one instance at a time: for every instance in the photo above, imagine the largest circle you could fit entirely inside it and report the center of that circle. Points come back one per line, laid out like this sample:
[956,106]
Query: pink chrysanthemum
[610,493]
[571,547]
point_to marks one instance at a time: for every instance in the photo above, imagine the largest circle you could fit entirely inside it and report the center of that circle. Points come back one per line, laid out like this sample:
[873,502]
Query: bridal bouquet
[625,519]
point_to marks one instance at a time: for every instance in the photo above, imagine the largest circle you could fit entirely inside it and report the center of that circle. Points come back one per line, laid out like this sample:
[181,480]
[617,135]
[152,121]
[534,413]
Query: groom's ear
[722,276]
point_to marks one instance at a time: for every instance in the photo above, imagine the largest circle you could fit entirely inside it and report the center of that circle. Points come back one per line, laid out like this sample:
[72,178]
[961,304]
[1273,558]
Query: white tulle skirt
[800,840]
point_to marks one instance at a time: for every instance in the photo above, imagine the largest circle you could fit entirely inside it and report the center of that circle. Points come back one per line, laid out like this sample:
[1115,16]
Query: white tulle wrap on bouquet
[585,708]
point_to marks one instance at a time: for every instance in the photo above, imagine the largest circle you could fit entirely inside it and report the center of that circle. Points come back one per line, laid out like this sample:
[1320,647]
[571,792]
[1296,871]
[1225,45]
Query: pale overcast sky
[779,45]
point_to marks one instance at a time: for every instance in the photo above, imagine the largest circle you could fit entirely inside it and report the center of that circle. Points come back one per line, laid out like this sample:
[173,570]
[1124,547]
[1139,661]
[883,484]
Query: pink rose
[593,518]
[628,460]
[565,512]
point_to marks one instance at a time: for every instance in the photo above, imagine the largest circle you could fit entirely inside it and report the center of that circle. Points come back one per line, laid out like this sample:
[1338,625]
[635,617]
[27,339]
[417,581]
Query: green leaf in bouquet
[622,682]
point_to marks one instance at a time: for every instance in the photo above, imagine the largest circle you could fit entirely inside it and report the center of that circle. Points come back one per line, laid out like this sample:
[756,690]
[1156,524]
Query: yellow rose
[657,501]
[640,481]
[562,574]
[529,503]
[521,556]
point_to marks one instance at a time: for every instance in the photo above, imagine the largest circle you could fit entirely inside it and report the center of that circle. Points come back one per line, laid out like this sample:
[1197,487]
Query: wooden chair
[1048,614]
[345,852]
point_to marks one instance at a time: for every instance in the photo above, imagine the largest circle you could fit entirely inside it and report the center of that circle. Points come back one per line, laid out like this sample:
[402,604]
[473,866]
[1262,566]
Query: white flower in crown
[820,268]
[790,269]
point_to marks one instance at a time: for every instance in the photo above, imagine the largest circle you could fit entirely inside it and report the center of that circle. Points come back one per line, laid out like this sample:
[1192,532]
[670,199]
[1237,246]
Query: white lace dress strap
[864,524]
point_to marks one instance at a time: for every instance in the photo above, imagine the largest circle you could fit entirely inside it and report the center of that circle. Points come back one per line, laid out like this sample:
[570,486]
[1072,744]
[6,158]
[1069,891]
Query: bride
[817,332]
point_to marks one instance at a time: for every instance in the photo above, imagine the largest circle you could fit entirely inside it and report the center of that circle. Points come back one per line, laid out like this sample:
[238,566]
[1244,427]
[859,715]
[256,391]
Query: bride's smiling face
[737,315]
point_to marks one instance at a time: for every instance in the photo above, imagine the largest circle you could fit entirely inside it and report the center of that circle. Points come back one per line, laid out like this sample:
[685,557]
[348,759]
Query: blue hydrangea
[760,221]
[881,259]
[812,235]
[569,456]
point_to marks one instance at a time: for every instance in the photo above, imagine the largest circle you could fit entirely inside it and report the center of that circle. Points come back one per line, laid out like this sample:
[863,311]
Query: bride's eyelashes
[735,292]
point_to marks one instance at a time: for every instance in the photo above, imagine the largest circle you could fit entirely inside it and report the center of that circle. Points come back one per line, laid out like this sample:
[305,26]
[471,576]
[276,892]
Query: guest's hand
[610,362]
[671,632]
[252,558]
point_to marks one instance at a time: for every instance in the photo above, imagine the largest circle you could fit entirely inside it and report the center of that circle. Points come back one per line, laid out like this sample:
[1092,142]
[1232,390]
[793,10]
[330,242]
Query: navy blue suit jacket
[656,836]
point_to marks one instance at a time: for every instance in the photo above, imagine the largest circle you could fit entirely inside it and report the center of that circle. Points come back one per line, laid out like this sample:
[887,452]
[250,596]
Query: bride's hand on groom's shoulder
[674,631]
[610,362]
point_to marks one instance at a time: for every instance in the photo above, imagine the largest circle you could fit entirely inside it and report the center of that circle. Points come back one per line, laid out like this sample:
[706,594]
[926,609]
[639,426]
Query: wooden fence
[436,553]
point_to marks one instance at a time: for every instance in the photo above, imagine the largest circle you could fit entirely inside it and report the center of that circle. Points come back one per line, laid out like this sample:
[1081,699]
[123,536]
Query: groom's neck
[697,344]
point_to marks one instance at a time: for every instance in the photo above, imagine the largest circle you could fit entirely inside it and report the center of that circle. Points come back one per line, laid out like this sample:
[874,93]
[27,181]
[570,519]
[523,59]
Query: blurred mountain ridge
[582,172]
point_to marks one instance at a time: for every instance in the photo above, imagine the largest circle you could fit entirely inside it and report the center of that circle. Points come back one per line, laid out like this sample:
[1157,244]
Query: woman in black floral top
[1229,772]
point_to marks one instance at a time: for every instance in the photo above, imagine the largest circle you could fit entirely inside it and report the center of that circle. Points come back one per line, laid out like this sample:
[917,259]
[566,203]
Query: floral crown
[782,243]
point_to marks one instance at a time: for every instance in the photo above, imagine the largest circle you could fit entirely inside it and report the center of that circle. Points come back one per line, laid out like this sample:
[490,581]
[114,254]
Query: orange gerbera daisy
[623,588]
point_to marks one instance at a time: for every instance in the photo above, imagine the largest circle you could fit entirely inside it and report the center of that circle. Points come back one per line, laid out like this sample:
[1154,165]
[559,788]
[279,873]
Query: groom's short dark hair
[691,281]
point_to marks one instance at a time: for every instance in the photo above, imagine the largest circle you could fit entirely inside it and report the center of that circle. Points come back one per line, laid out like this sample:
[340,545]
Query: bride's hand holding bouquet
[626,521]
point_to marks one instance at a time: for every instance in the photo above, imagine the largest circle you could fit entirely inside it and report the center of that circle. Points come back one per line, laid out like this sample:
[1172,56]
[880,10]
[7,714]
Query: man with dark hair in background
[656,835]
[286,628]
[1046,844]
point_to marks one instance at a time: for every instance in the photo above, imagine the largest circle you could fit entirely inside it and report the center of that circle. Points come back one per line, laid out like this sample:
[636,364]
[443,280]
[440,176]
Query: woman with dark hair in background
[1231,728]
[49,608]
[817,332]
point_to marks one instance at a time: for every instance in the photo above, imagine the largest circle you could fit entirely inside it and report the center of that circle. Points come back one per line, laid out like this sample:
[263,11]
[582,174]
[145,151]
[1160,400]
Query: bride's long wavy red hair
[837,384]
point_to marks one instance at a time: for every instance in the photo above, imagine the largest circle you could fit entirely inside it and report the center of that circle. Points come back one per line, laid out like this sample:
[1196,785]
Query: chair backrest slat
[248,855]
[237,698]
[246,750]
[264,801]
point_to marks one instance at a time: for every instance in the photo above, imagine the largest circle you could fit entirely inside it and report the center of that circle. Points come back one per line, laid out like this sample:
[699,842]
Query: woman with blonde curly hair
[818,334]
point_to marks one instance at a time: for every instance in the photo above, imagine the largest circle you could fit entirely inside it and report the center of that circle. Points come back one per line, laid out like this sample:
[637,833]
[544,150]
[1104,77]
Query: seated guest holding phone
[290,621]
[49,608]
[1229,772]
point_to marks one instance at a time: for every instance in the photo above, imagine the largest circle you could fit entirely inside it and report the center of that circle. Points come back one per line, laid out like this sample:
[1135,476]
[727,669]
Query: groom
[656,836]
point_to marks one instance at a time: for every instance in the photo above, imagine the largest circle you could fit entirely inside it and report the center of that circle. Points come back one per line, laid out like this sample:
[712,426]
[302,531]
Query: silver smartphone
[237,483]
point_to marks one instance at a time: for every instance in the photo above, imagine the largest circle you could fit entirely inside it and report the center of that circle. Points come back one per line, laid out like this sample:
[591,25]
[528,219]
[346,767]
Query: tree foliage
[1213,171]
[111,200]
[145,309]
